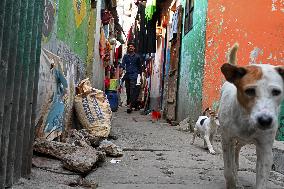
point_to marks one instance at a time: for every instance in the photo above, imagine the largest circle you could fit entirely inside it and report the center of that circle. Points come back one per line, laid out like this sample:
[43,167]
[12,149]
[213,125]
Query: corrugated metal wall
[20,42]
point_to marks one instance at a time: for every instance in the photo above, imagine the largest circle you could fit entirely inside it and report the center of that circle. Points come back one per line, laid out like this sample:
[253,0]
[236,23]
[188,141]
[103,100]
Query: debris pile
[110,149]
[184,125]
[80,152]
[74,158]
[83,138]
[81,149]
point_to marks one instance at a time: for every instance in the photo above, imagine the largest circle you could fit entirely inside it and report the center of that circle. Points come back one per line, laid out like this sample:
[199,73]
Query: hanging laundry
[106,30]
[113,3]
[107,56]
[102,43]
[165,21]
[174,26]
[130,35]
[105,16]
[150,9]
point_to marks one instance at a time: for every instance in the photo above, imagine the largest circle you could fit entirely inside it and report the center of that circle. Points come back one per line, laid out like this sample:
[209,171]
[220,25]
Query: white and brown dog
[248,113]
[206,127]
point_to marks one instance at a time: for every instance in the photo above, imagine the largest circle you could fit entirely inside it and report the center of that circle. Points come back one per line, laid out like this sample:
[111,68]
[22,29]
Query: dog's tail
[232,58]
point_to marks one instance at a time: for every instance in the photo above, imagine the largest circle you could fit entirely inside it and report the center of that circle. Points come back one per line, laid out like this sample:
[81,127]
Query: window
[188,23]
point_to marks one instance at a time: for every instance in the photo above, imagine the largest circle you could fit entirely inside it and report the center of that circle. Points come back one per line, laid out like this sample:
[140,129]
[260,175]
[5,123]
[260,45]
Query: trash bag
[93,109]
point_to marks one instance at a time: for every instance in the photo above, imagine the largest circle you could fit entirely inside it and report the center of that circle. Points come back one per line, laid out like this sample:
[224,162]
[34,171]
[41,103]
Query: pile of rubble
[81,149]
[80,152]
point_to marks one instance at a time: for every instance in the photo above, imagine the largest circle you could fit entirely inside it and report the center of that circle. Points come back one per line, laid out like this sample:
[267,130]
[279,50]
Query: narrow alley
[148,94]
[155,155]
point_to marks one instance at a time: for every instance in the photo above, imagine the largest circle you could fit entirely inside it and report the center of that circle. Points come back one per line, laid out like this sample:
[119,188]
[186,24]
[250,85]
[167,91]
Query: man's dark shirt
[132,65]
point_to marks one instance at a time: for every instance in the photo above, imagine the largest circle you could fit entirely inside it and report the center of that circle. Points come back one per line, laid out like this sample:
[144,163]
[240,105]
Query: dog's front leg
[194,135]
[209,145]
[263,164]
[229,162]
[237,153]
[204,144]
[211,138]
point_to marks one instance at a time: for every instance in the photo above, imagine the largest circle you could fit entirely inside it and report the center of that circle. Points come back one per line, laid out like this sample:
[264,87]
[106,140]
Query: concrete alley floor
[156,155]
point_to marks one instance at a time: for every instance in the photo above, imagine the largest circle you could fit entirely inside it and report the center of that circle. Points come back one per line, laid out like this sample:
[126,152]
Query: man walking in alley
[131,63]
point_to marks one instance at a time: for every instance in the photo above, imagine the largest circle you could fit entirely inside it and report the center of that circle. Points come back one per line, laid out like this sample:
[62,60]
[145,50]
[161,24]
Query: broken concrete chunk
[49,164]
[110,149]
[74,158]
[184,125]
[81,160]
[53,148]
[83,138]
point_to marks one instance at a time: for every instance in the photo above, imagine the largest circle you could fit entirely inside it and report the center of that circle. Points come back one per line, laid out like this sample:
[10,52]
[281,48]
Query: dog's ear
[280,70]
[232,73]
[207,109]
[204,112]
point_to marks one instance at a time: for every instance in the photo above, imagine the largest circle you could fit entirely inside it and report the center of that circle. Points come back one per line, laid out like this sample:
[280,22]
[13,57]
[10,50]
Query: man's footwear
[129,111]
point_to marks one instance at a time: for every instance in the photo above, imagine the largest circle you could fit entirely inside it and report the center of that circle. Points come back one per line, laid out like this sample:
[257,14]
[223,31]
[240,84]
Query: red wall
[258,27]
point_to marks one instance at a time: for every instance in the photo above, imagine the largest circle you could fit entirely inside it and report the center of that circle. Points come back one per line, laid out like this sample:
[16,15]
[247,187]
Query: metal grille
[20,42]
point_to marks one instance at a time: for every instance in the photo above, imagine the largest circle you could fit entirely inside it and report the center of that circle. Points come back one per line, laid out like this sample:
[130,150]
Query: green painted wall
[91,44]
[280,133]
[191,64]
[67,30]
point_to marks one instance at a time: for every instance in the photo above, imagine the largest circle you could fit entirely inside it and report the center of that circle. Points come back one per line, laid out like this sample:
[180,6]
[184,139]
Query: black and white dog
[206,127]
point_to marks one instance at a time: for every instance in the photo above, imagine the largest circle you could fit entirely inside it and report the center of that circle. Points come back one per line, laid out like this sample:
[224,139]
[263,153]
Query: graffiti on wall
[48,17]
[52,88]
[72,25]
[65,32]
[71,60]
[79,7]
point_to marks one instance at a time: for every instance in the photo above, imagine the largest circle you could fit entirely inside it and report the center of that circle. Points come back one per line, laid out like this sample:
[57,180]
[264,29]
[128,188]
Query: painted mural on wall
[191,65]
[79,7]
[72,25]
[50,124]
[48,18]
[66,32]
[257,27]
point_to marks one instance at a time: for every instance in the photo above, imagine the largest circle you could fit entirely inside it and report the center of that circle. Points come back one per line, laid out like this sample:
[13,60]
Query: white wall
[98,68]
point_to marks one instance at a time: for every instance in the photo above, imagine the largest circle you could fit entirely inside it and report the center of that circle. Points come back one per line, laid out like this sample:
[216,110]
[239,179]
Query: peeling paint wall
[191,64]
[257,27]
